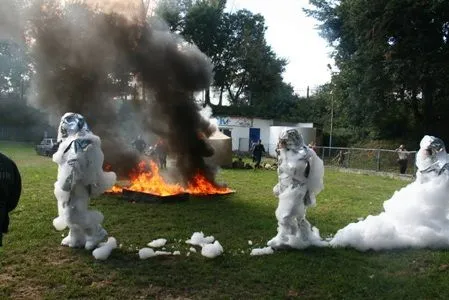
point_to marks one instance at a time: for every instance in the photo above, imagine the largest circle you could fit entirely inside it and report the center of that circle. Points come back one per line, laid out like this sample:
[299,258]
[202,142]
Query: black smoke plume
[78,52]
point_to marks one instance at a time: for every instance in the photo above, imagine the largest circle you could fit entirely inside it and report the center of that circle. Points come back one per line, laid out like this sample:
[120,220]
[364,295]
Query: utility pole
[332,122]
[332,110]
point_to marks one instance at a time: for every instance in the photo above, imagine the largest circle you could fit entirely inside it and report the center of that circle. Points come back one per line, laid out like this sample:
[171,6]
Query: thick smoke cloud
[10,21]
[78,51]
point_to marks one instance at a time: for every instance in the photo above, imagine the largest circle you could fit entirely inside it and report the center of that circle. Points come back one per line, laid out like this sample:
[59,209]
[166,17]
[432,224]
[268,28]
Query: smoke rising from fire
[82,49]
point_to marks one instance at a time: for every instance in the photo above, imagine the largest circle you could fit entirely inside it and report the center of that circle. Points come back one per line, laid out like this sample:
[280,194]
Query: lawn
[34,265]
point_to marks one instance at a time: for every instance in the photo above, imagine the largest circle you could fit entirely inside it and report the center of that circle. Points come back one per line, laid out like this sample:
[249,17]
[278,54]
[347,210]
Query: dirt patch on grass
[19,287]
[27,291]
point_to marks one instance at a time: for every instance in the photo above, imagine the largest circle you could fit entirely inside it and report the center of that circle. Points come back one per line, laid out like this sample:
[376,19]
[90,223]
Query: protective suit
[431,159]
[300,179]
[80,177]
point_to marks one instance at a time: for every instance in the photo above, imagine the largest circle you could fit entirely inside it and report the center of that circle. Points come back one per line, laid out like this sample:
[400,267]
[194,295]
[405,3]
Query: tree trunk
[220,99]
[416,113]
[207,97]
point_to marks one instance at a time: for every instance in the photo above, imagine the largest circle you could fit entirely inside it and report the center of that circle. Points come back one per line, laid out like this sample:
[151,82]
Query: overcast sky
[292,35]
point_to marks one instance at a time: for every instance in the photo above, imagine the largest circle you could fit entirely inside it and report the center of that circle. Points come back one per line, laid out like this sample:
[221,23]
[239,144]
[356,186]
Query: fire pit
[150,187]
[152,198]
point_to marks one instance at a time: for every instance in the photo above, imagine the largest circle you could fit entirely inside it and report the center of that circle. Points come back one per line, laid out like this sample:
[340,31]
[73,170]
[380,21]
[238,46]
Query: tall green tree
[205,25]
[15,70]
[393,61]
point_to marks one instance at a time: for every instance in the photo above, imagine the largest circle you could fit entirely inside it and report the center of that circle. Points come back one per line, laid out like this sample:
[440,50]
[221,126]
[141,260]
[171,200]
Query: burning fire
[147,179]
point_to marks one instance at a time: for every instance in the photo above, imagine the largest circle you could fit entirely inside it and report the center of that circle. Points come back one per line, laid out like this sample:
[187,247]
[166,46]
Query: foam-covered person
[300,179]
[431,159]
[80,177]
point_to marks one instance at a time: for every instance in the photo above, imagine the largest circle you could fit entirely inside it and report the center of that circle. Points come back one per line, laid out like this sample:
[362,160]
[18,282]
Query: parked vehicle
[47,147]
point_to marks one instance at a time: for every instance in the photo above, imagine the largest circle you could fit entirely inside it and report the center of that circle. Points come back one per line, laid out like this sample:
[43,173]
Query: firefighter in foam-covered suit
[80,177]
[300,179]
[432,159]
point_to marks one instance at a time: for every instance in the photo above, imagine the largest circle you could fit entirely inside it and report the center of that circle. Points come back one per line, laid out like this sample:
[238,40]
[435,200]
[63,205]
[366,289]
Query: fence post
[349,158]
[378,161]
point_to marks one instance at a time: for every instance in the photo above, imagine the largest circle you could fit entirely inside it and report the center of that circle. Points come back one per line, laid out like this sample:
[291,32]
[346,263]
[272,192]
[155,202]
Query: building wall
[240,131]
[264,126]
[239,127]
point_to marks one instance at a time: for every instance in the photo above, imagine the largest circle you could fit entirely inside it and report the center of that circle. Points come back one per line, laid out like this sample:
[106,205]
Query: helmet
[432,153]
[71,124]
[433,144]
[292,139]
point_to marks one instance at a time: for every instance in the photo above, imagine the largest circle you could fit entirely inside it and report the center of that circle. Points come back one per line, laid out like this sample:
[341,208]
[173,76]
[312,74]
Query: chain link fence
[377,160]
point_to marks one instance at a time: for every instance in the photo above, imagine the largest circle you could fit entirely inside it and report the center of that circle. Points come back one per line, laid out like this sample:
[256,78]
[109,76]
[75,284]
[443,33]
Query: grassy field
[33,265]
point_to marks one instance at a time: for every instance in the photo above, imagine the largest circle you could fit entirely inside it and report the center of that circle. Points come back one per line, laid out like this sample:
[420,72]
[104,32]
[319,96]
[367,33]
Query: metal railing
[377,160]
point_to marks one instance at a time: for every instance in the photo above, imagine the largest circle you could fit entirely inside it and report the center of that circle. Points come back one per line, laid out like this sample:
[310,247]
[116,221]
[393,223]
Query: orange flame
[147,179]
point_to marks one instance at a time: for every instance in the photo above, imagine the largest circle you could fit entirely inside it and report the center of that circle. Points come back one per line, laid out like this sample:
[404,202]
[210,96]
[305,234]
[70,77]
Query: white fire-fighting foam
[261,251]
[199,239]
[157,243]
[212,250]
[415,216]
[105,249]
[145,253]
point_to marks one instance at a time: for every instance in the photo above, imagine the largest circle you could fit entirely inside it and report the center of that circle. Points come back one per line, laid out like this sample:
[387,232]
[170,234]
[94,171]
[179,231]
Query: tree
[246,69]
[14,70]
[393,61]
[204,25]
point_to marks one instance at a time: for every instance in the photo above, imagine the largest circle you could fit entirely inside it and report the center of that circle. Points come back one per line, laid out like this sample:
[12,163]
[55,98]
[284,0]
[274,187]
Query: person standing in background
[258,150]
[402,158]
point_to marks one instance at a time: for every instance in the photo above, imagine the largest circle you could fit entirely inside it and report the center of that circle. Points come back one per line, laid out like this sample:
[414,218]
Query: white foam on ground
[212,250]
[262,251]
[145,253]
[59,223]
[199,239]
[157,243]
[105,249]
[415,216]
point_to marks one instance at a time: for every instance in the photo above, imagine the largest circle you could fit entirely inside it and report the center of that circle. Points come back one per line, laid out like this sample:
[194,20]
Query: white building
[246,131]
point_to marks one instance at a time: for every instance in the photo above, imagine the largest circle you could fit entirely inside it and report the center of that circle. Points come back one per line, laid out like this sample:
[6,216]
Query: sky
[293,36]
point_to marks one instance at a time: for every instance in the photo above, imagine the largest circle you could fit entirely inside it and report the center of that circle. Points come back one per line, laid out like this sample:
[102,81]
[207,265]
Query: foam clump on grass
[145,253]
[199,239]
[262,251]
[212,250]
[59,223]
[105,249]
[157,243]
[414,217]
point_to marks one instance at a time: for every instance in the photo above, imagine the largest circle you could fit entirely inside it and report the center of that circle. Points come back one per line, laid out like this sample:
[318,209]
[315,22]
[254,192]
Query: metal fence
[378,160]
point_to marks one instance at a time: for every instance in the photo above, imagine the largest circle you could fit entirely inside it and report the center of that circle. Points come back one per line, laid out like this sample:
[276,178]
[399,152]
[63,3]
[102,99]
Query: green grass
[34,265]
